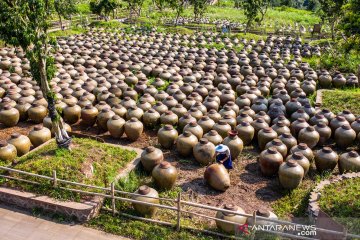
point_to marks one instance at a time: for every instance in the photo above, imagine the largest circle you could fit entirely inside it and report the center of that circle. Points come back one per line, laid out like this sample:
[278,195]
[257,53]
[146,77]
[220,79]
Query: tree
[135,6]
[252,9]
[25,23]
[160,4]
[179,7]
[95,7]
[109,6]
[350,24]
[104,7]
[331,11]
[65,8]
[200,7]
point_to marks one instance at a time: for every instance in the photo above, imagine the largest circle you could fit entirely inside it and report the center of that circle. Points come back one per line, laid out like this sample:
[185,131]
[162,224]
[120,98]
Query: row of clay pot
[18,144]
[292,171]
[230,212]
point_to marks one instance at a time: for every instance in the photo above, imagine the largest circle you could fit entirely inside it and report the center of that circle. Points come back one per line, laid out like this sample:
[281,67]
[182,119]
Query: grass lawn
[67,32]
[339,100]
[142,230]
[341,201]
[74,165]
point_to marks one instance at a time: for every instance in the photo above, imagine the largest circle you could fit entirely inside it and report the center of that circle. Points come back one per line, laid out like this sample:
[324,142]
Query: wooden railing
[177,205]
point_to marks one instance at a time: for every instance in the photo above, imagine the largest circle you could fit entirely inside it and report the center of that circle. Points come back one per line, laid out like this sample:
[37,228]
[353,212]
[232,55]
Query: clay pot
[270,161]
[326,159]
[9,116]
[151,118]
[297,125]
[119,110]
[222,127]
[167,136]
[72,113]
[344,136]
[37,113]
[337,123]
[169,118]
[21,142]
[23,108]
[164,175]
[349,162]
[301,160]
[258,124]
[309,136]
[290,174]
[304,149]
[185,143]
[149,195]
[266,135]
[288,140]
[195,129]
[262,213]
[204,151]
[245,132]
[213,137]
[234,143]
[7,152]
[206,123]
[151,157]
[324,133]
[184,120]
[39,135]
[237,219]
[133,129]
[89,115]
[115,125]
[279,145]
[104,117]
[217,177]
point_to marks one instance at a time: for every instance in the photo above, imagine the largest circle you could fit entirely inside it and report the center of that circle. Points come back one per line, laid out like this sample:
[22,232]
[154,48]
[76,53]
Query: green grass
[68,32]
[339,100]
[341,200]
[141,230]
[178,29]
[107,24]
[72,165]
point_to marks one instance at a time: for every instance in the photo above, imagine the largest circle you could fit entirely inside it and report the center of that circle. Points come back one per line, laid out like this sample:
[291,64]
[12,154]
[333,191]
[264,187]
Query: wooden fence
[177,205]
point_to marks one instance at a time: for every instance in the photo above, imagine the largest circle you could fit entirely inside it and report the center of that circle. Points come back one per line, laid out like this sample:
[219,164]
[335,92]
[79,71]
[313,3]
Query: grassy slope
[71,165]
[338,100]
[341,200]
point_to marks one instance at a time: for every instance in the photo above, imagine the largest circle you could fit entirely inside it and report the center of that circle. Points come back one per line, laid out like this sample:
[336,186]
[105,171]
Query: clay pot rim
[144,190]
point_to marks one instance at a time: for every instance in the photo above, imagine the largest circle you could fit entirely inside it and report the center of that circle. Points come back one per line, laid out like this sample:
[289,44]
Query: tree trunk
[333,30]
[62,138]
[61,23]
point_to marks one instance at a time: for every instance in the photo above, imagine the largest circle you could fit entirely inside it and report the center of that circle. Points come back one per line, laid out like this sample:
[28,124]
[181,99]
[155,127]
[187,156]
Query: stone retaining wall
[82,211]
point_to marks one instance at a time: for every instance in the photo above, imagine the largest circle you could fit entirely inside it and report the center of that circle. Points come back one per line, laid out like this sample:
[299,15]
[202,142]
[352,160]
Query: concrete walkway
[18,225]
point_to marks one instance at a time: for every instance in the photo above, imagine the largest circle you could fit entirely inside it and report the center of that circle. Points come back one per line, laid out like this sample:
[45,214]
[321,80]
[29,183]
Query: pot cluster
[125,82]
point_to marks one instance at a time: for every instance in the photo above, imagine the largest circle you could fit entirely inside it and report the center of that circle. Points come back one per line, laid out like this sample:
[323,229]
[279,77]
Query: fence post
[178,211]
[54,178]
[112,198]
[254,216]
